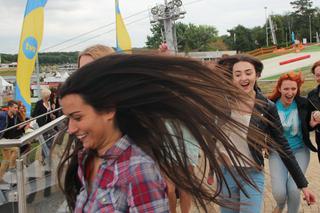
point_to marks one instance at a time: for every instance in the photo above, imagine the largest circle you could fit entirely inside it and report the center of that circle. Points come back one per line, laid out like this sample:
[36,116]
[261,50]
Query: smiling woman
[119,107]
[295,115]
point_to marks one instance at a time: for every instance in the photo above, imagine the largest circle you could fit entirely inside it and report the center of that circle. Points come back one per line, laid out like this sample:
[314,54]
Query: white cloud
[67,19]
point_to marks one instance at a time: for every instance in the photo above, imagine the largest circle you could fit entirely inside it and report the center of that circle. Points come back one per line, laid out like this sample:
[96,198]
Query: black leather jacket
[314,99]
[273,129]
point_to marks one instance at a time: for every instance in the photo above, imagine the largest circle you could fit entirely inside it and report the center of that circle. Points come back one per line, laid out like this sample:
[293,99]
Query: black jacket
[314,100]
[39,109]
[271,127]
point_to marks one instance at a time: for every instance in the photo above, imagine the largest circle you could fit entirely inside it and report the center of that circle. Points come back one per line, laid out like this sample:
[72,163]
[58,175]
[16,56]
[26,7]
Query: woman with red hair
[295,116]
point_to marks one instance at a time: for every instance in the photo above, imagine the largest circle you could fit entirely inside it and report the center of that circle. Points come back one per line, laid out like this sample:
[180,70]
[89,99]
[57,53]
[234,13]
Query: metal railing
[22,190]
[31,119]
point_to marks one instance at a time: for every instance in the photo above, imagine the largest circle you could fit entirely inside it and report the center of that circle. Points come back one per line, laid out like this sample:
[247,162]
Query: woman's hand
[315,118]
[52,116]
[308,196]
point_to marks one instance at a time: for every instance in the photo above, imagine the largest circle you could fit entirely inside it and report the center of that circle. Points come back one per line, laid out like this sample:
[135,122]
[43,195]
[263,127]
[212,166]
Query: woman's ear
[109,115]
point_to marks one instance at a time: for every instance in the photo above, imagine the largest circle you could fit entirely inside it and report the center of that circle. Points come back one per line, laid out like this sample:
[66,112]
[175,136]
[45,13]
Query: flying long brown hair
[149,90]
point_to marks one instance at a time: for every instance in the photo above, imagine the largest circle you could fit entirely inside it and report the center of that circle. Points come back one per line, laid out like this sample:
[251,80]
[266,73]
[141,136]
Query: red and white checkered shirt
[129,182]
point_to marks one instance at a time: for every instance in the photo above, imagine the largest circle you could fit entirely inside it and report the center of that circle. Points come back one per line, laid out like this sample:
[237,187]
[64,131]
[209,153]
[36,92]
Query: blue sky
[67,19]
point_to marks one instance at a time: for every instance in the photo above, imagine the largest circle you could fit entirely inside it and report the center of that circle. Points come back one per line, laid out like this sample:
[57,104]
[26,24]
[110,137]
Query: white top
[238,137]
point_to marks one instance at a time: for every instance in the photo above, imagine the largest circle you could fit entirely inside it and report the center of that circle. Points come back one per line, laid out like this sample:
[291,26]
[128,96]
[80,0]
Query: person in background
[118,108]
[314,99]
[92,53]
[295,115]
[193,153]
[21,111]
[8,119]
[22,117]
[54,101]
[244,70]
[43,106]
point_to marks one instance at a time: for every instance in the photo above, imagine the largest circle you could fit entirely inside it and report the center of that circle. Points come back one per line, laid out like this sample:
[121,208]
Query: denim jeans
[284,189]
[251,204]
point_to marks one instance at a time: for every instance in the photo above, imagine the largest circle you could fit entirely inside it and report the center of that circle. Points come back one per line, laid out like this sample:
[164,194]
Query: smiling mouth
[81,137]
[245,85]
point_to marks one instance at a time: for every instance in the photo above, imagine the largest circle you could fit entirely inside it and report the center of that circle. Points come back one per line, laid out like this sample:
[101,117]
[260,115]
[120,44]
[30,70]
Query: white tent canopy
[4,83]
[6,91]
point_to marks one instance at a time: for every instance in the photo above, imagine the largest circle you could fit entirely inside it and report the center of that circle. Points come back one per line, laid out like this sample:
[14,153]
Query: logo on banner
[30,46]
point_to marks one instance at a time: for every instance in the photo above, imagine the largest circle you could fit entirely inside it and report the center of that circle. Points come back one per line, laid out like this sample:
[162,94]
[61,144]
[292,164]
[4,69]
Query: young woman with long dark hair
[118,108]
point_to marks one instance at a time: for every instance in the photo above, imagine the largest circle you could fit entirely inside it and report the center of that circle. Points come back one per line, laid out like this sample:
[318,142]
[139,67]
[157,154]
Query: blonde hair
[96,51]
[45,92]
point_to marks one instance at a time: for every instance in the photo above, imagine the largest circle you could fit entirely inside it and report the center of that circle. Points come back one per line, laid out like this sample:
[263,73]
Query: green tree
[302,16]
[189,37]
[156,39]
[303,7]
[240,39]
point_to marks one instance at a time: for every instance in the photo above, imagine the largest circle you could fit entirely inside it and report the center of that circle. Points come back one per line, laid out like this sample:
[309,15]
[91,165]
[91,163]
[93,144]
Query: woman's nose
[71,127]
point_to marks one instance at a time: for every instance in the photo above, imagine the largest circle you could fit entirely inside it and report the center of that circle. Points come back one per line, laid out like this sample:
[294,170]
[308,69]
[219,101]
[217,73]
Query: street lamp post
[167,14]
[310,32]
[266,17]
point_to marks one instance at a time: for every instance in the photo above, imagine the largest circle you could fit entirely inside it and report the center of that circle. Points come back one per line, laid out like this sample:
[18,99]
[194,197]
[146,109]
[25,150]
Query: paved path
[313,176]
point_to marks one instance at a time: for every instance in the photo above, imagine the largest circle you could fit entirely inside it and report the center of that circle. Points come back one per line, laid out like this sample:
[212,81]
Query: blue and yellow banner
[30,41]
[123,38]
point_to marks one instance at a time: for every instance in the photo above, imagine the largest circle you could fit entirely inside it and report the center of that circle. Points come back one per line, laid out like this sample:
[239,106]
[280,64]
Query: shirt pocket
[111,200]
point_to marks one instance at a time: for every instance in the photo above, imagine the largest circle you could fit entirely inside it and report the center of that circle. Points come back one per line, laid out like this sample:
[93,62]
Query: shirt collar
[113,153]
[118,148]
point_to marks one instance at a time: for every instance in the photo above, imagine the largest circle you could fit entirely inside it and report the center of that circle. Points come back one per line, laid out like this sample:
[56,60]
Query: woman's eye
[77,118]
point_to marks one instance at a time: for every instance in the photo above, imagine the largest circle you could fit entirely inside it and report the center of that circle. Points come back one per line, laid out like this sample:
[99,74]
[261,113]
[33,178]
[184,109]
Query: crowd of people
[138,124]
[14,118]
[163,106]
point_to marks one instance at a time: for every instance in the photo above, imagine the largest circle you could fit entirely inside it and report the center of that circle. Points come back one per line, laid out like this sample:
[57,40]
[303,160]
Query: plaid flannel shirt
[129,182]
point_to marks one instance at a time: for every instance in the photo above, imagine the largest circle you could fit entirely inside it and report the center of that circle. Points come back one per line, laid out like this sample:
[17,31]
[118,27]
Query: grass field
[7,71]
[314,48]
[267,86]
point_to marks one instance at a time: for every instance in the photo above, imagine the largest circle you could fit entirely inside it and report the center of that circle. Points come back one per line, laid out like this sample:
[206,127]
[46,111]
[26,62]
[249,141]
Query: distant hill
[49,58]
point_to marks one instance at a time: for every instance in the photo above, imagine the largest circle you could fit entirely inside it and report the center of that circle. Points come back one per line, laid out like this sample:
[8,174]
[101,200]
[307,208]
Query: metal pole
[266,17]
[168,29]
[273,33]
[38,76]
[20,184]
[310,32]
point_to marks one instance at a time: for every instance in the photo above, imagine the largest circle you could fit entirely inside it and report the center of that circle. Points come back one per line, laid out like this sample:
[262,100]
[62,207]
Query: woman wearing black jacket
[43,106]
[314,99]
[257,113]
[295,114]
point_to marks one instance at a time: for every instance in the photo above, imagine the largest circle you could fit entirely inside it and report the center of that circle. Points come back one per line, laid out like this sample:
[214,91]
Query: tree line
[302,21]
[49,58]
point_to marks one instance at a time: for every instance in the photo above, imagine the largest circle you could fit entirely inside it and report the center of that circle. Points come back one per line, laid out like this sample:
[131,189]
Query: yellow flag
[30,41]
[123,38]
